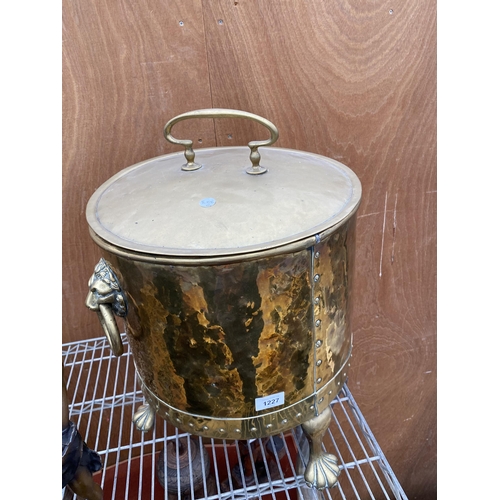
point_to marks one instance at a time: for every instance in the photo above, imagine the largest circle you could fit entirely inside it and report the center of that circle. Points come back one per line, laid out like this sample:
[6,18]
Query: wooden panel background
[349,79]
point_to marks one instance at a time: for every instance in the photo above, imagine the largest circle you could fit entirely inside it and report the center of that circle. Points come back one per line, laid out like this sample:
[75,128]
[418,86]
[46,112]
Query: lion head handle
[106,297]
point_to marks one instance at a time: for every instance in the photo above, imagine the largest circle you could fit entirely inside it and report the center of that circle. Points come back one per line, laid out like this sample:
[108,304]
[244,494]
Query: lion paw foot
[144,418]
[322,472]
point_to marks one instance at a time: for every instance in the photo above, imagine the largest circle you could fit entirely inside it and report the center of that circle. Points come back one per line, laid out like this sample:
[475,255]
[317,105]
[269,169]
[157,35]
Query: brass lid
[156,207]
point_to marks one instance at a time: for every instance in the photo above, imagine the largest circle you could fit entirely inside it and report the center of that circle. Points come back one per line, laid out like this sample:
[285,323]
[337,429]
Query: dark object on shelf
[79,462]
[187,469]
[253,463]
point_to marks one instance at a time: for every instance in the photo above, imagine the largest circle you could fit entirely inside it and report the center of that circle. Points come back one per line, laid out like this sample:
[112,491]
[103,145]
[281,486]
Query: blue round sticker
[207,202]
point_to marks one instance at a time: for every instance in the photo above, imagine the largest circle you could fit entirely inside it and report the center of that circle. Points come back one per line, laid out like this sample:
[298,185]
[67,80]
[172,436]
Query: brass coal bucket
[233,275]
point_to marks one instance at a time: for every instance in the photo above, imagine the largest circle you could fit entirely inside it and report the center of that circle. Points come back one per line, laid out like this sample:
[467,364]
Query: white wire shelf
[103,394]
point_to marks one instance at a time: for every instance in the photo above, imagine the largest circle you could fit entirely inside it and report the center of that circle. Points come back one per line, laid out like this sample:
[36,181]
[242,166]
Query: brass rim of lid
[313,225]
[296,246]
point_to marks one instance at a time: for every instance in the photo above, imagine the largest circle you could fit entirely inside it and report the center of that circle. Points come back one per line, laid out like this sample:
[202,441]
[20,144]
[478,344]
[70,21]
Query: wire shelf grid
[104,393]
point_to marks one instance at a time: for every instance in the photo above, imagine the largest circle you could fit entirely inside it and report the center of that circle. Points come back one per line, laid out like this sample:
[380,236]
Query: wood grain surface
[352,80]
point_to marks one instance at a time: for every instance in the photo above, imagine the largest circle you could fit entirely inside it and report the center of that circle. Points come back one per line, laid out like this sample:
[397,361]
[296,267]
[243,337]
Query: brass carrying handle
[108,323]
[222,113]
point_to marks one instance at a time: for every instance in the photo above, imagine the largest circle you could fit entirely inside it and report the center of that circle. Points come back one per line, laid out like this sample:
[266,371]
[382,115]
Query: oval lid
[155,207]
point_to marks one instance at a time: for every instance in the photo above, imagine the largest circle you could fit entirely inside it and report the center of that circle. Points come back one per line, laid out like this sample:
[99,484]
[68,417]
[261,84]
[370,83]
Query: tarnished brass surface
[333,269]
[208,340]
[211,339]
[264,425]
[190,164]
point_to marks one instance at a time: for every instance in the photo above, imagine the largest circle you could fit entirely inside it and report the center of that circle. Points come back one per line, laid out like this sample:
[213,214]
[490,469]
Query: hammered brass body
[208,340]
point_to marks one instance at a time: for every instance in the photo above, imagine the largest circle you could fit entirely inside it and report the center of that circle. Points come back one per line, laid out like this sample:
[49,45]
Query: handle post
[190,164]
